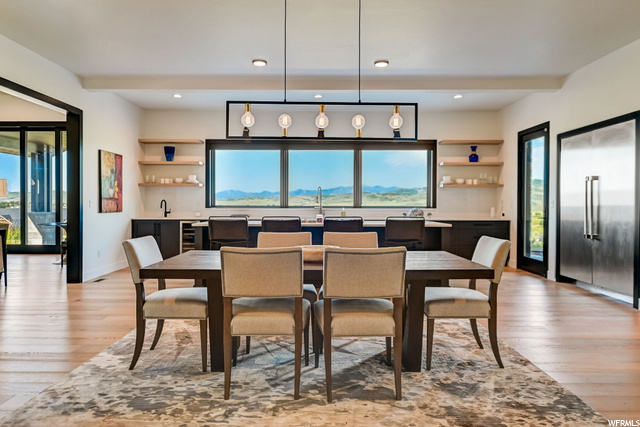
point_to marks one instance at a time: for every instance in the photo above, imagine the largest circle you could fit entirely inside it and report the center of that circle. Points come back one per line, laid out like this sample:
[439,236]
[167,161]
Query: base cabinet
[166,233]
[462,237]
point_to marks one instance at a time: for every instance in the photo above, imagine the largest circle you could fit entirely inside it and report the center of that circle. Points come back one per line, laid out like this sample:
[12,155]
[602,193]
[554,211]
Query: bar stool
[281,224]
[343,224]
[404,231]
[228,231]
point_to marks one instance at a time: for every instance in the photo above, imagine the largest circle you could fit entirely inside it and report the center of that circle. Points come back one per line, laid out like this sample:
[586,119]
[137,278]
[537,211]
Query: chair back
[492,252]
[364,273]
[281,224]
[347,224]
[141,252]
[228,229]
[1,256]
[404,229]
[351,240]
[264,273]
[283,240]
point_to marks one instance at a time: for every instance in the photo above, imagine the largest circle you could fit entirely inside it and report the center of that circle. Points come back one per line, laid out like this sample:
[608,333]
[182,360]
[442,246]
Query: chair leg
[474,328]
[203,343]
[140,325]
[327,364]
[227,343]
[388,339]
[298,347]
[306,344]
[430,325]
[319,338]
[235,346]
[493,338]
[247,345]
[156,338]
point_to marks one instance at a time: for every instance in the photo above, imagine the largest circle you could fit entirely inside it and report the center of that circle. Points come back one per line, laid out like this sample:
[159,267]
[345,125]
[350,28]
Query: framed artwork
[110,174]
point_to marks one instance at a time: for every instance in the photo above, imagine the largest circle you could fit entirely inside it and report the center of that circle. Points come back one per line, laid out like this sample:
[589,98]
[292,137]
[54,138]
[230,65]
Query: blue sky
[255,171]
[10,169]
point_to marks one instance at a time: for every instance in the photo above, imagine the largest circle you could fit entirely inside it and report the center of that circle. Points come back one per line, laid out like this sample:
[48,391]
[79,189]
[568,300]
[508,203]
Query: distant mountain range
[227,194]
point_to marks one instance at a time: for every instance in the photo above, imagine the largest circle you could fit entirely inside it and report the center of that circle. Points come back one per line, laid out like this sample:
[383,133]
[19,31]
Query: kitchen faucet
[166,212]
[319,200]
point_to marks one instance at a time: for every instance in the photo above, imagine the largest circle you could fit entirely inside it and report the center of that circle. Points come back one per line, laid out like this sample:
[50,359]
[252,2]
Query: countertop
[367,223]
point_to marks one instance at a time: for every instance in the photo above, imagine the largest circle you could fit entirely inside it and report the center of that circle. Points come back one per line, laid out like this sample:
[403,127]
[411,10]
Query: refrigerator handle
[587,221]
[594,208]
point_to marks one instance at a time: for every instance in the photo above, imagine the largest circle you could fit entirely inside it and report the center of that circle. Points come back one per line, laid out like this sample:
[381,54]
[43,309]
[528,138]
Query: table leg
[216,317]
[413,326]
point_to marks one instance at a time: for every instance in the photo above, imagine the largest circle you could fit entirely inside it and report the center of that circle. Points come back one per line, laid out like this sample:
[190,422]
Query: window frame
[284,146]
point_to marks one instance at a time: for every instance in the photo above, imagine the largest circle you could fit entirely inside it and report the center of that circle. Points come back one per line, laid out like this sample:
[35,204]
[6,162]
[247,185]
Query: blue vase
[169,153]
[473,157]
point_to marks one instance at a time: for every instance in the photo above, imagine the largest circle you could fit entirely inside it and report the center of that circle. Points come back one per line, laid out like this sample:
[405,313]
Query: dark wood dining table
[423,269]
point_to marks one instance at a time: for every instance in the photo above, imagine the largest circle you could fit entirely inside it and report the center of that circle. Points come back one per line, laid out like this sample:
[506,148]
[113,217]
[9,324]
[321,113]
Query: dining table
[423,269]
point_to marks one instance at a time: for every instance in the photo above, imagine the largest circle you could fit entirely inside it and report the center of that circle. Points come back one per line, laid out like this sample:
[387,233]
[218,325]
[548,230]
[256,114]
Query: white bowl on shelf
[460,181]
[179,180]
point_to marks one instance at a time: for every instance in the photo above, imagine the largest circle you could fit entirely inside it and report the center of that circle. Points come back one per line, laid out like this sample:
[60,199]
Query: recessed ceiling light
[458,96]
[177,95]
[259,63]
[381,63]
[318,96]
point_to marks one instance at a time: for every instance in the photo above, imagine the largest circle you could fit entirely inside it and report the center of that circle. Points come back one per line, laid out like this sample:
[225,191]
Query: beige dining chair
[2,266]
[469,303]
[358,286]
[282,240]
[177,303]
[262,293]
[351,240]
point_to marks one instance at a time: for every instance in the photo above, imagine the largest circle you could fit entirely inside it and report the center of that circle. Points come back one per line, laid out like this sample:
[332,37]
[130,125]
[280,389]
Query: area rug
[464,388]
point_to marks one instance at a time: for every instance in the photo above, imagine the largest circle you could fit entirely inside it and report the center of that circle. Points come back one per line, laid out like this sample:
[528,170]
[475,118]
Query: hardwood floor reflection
[589,343]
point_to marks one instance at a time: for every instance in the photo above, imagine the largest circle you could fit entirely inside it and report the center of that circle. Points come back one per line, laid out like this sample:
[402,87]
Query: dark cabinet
[166,233]
[462,237]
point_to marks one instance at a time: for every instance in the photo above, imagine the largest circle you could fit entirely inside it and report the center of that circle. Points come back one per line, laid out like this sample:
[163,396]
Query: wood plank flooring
[588,343]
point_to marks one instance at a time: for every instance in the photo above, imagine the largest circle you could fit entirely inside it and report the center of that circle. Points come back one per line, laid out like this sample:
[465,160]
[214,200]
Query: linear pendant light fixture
[335,109]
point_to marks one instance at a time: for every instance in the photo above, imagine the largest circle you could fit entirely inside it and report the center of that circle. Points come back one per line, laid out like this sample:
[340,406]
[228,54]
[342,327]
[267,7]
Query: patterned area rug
[464,388]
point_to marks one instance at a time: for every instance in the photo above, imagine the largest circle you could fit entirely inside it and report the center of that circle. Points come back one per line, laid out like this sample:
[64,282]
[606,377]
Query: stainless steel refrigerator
[598,215]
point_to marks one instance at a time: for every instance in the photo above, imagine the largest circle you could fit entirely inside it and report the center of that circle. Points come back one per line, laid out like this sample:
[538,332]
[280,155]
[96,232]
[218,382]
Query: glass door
[31,162]
[533,199]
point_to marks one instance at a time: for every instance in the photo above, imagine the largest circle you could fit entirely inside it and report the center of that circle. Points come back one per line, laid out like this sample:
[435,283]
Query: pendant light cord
[359,46]
[285,50]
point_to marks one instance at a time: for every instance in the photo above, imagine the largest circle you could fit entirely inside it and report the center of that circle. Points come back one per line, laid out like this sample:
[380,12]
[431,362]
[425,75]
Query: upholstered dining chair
[347,224]
[228,231]
[358,286]
[281,224]
[351,240]
[2,266]
[404,231]
[177,303]
[283,240]
[469,303]
[262,293]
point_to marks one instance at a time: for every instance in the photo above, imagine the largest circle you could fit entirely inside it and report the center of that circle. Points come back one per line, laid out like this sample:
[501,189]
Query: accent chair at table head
[358,286]
[177,303]
[351,240]
[345,224]
[281,224]
[469,303]
[404,231]
[262,293]
[228,231]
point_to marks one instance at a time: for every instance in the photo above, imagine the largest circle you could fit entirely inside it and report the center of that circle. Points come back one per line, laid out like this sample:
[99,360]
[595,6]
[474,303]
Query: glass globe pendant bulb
[284,121]
[396,120]
[322,121]
[247,118]
[358,123]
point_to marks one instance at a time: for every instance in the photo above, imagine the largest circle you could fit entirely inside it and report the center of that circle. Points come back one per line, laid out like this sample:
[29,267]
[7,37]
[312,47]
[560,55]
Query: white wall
[16,109]
[604,89]
[453,203]
[110,123]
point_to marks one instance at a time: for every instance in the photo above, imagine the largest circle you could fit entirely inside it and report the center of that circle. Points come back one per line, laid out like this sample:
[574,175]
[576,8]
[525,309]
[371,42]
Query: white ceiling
[494,52]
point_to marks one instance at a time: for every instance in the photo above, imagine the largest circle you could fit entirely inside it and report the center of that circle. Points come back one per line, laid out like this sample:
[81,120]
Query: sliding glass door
[31,162]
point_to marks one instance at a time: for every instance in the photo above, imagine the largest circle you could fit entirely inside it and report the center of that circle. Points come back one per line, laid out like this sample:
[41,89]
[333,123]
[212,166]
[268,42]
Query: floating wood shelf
[156,184]
[170,141]
[471,163]
[471,185]
[471,142]
[172,163]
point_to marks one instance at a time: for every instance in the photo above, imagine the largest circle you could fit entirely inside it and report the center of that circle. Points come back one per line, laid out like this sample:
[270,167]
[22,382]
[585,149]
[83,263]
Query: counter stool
[281,224]
[228,231]
[404,231]
[343,224]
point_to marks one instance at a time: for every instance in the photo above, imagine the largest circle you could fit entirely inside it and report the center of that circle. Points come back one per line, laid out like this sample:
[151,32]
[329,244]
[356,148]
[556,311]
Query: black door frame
[537,267]
[74,176]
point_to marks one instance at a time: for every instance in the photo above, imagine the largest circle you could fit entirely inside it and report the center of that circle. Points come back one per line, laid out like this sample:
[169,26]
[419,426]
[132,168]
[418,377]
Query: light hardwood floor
[589,343]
